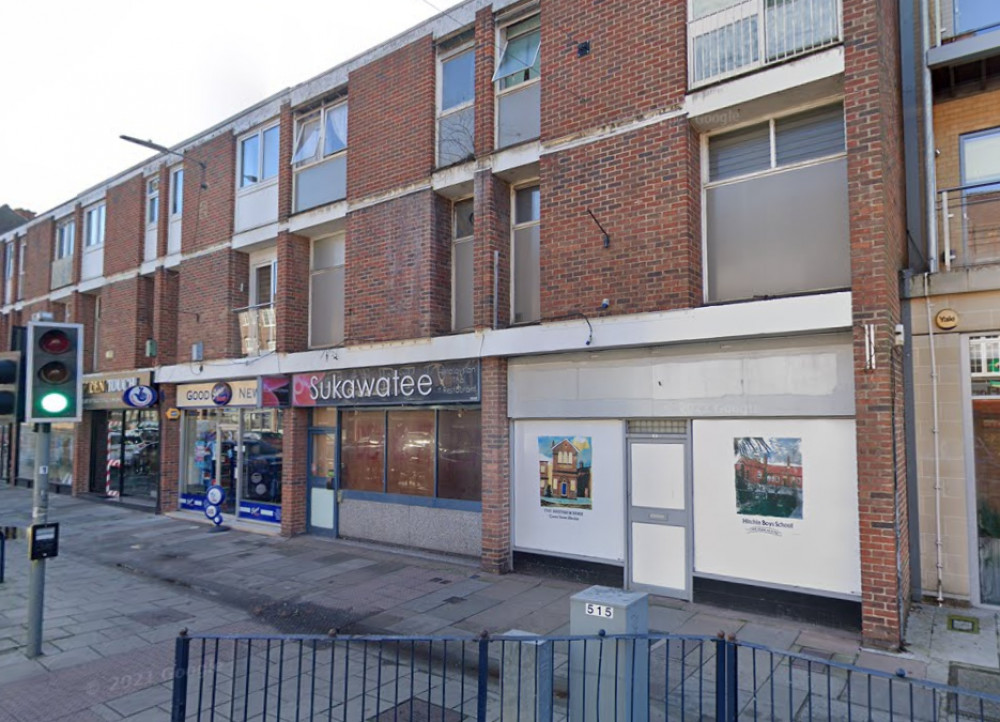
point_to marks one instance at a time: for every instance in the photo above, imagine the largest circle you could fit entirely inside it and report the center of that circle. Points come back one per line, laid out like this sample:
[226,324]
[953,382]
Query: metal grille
[657,426]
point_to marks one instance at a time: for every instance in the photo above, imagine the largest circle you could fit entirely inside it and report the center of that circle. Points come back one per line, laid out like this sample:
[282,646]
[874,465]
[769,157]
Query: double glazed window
[462,263]
[326,292]
[320,157]
[177,192]
[152,201]
[776,207]
[422,452]
[456,112]
[259,157]
[93,226]
[526,292]
[65,239]
[517,82]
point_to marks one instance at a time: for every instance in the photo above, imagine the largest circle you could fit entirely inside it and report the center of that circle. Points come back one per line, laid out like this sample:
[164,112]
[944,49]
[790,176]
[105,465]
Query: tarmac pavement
[126,582]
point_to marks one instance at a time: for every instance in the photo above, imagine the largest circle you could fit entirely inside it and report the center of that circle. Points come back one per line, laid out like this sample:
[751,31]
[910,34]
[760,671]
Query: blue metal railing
[551,678]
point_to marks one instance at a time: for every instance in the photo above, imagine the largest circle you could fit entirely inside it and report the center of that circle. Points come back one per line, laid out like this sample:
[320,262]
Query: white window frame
[22,252]
[502,42]
[514,227]
[257,264]
[89,241]
[442,113]
[318,157]
[455,240]
[8,261]
[176,191]
[65,238]
[259,182]
[313,272]
[152,201]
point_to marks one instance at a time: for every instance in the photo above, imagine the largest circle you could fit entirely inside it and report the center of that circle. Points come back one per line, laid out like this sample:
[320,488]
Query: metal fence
[532,679]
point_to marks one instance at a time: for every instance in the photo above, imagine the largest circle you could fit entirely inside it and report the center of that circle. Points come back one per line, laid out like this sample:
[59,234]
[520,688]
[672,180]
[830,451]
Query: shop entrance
[659,519]
[125,455]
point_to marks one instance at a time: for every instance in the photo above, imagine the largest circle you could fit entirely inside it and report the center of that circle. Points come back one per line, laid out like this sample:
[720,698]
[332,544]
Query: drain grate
[418,710]
[959,623]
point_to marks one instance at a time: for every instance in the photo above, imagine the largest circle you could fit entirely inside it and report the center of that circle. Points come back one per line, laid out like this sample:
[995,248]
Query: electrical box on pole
[10,384]
[54,372]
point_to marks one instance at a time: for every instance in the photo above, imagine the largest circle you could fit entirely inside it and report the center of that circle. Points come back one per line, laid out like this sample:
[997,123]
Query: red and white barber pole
[112,463]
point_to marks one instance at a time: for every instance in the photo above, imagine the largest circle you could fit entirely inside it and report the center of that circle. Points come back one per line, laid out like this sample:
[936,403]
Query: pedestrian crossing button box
[43,541]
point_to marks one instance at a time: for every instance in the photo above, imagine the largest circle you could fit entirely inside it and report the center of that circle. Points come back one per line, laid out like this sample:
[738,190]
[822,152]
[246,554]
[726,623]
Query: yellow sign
[173,414]
[946,319]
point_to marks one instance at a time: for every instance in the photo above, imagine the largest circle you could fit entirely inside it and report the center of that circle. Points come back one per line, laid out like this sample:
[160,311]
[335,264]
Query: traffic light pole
[39,515]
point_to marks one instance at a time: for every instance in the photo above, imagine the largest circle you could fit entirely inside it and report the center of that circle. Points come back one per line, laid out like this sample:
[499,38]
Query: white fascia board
[257,235]
[769,81]
[776,317]
[333,213]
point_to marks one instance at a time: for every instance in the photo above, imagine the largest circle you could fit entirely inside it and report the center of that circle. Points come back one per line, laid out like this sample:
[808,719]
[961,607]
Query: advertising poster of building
[768,476]
[564,464]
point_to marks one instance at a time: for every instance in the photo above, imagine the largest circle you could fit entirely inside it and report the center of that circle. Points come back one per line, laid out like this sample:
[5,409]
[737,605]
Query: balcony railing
[968,221]
[257,329]
[751,34]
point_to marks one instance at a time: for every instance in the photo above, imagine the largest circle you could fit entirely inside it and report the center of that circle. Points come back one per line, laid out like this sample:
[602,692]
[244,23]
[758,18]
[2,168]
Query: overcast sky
[76,75]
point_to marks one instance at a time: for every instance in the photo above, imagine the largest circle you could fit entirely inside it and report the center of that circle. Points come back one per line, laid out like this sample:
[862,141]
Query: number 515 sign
[599,610]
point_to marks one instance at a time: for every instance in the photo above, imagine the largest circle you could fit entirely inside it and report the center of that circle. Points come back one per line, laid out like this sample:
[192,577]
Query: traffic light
[54,378]
[10,381]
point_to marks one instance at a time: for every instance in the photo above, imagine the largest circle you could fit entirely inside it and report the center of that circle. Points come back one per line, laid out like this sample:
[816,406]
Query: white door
[659,518]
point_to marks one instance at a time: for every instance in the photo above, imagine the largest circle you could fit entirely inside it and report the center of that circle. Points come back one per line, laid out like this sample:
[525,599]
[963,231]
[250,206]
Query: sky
[76,75]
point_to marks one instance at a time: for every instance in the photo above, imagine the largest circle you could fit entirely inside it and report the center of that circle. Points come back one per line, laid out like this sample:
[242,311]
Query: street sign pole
[39,515]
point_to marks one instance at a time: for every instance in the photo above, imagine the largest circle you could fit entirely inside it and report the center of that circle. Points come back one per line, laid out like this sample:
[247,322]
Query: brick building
[648,229]
[952,64]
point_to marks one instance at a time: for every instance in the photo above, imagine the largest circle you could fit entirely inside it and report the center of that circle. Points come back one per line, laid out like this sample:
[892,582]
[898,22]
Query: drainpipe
[930,153]
[939,564]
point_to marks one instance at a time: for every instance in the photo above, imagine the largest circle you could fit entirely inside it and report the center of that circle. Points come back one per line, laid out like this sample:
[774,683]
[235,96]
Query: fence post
[182,648]
[725,679]
[484,676]
[3,552]
[731,678]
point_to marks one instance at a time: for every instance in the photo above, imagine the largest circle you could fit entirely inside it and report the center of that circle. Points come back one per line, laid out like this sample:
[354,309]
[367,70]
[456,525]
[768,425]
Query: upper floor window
[462,265]
[456,112]
[326,292]
[93,226]
[259,156]
[516,77]
[8,261]
[177,192]
[795,166]
[320,157]
[526,252]
[65,239]
[152,201]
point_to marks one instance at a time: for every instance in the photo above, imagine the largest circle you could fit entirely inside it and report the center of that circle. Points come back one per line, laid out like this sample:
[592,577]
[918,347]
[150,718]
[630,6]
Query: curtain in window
[307,142]
[336,130]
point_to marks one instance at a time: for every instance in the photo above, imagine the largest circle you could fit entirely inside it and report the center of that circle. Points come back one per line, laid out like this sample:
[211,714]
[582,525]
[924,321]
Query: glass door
[260,462]
[323,482]
[210,456]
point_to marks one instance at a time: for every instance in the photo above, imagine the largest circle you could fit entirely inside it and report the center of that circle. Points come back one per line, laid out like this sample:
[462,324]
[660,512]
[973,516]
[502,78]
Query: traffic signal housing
[54,372]
[10,384]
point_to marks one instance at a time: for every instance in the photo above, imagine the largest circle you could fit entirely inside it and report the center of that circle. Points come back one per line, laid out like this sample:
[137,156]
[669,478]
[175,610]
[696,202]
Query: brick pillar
[285,139]
[78,244]
[170,451]
[294,471]
[165,316]
[163,220]
[496,554]
[81,455]
[292,302]
[492,235]
[485,59]
[878,238]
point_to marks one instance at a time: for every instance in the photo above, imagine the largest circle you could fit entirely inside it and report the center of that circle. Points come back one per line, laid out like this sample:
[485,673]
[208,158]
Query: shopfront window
[424,452]
[125,454]
[241,451]
[60,454]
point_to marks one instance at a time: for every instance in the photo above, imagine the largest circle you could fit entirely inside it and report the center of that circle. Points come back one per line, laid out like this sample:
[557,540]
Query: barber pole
[108,491]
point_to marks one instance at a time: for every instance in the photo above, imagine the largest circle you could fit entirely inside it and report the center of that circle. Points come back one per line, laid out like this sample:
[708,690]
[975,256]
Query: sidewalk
[126,582]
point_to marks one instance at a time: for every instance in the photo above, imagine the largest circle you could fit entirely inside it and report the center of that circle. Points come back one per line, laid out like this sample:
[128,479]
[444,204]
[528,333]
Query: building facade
[525,282]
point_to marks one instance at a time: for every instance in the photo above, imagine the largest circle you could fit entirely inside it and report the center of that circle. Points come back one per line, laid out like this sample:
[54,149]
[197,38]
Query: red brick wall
[496,554]
[485,63]
[292,302]
[636,65]
[81,310]
[492,236]
[81,455]
[294,487]
[124,231]
[391,120]
[644,189]
[286,135]
[170,442]
[38,259]
[208,291]
[394,253]
[875,179]
[208,212]
[79,244]
[165,316]
[126,323]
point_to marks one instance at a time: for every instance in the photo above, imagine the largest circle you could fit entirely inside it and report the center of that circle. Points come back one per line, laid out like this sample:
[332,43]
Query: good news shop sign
[432,383]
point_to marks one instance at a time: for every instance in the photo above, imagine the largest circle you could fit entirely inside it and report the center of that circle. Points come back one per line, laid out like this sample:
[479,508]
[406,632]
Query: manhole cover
[975,679]
[417,710]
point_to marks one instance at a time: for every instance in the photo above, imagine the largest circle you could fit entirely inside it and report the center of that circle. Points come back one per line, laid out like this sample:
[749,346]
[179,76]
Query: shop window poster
[564,471]
[768,476]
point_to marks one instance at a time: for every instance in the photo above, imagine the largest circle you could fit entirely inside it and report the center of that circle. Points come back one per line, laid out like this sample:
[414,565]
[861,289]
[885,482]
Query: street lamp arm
[161,148]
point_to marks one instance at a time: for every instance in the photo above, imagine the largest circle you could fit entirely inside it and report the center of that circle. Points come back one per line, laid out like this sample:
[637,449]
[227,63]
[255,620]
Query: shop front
[124,437]
[232,437]
[695,472]
[395,454]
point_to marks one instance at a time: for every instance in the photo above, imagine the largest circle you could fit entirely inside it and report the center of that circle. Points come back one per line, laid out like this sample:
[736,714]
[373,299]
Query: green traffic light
[54,403]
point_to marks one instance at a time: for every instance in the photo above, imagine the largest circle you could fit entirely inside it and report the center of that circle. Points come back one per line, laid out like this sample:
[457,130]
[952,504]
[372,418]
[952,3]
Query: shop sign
[430,383]
[946,319]
[173,414]
[106,391]
[221,393]
[259,511]
[139,397]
